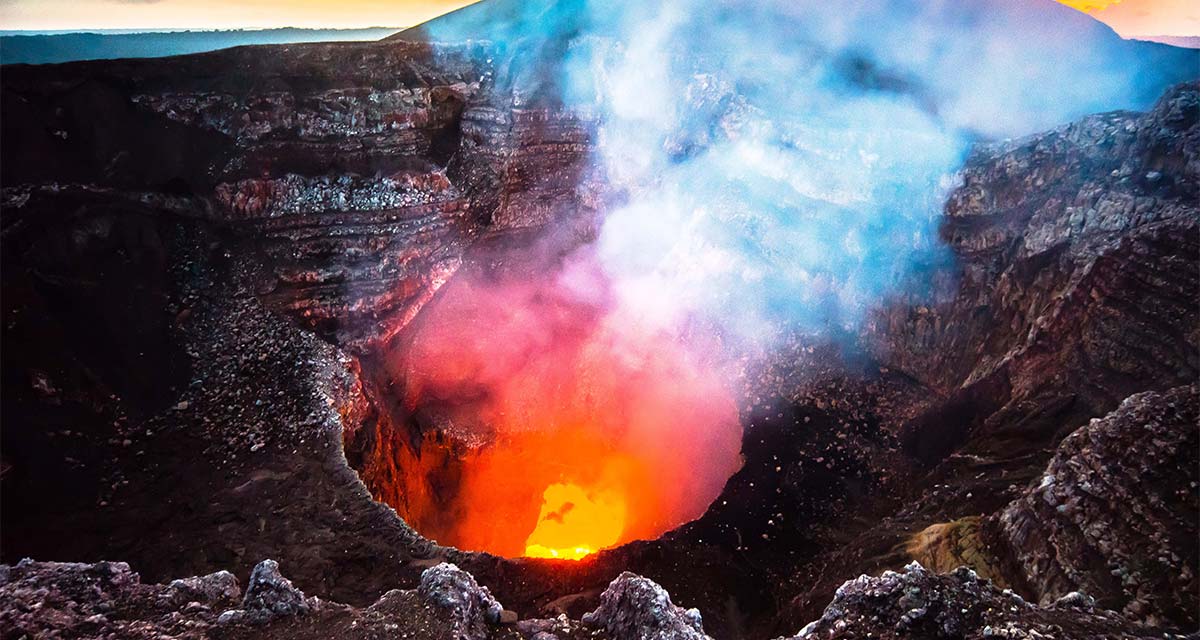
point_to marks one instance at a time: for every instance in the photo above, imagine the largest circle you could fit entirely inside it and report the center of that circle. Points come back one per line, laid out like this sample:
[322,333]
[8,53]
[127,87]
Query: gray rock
[268,597]
[637,608]
[917,603]
[471,606]
[1076,600]
[1113,515]
[215,588]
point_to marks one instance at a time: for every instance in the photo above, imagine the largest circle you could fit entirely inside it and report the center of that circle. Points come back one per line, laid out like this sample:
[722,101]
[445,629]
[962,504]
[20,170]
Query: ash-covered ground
[209,263]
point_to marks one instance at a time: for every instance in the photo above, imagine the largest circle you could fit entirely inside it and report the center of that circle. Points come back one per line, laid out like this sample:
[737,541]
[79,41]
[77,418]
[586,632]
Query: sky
[1144,17]
[217,14]
[1127,17]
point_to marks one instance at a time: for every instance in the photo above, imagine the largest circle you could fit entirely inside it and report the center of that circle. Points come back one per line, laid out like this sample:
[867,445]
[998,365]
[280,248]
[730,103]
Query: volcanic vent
[531,419]
[557,400]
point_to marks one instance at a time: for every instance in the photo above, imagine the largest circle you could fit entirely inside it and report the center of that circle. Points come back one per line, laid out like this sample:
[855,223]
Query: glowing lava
[574,523]
[554,425]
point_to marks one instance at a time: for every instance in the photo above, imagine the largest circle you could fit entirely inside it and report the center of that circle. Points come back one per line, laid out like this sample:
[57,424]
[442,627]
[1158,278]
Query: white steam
[784,163]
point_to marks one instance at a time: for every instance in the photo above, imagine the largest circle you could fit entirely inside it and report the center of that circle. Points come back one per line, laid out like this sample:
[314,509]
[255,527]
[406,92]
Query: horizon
[165,16]
[123,32]
[1129,18]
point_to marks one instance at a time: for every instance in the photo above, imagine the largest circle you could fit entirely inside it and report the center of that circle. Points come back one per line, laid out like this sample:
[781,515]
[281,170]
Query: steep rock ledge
[1084,296]
[1076,251]
[1115,514]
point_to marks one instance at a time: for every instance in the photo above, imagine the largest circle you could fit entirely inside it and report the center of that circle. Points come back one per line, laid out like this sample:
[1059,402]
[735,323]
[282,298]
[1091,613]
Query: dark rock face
[269,596]
[1076,248]
[1115,515]
[313,138]
[637,608]
[916,603]
[1076,289]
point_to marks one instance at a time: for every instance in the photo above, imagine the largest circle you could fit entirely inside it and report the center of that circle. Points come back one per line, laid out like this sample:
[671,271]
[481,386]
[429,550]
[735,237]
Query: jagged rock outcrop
[270,596]
[1076,289]
[358,173]
[637,608]
[71,601]
[1116,513]
[221,586]
[916,603]
[106,599]
[471,606]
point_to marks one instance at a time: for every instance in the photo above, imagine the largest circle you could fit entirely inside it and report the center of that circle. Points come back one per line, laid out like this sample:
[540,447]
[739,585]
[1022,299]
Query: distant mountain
[1189,42]
[65,47]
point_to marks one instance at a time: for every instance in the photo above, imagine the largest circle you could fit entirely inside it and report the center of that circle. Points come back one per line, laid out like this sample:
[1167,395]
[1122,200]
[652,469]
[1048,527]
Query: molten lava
[575,522]
[570,426]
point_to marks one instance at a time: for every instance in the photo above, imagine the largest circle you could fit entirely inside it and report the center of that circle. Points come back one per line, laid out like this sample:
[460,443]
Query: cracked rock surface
[268,597]
[1115,514]
[916,603]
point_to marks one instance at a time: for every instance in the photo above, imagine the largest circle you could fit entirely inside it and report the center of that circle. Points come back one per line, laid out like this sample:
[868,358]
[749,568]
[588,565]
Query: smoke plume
[775,167]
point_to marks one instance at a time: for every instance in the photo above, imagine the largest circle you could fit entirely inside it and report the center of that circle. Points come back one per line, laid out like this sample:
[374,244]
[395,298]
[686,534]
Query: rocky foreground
[195,383]
[108,600]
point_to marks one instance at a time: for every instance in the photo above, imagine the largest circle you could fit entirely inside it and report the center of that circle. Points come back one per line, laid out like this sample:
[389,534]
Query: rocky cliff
[1115,512]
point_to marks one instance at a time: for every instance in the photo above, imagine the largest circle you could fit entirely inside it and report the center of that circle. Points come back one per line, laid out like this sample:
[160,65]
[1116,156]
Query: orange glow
[1089,6]
[573,429]
[1132,18]
[574,523]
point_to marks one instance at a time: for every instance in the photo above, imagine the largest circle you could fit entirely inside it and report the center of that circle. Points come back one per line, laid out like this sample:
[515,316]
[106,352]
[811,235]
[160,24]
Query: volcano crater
[372,313]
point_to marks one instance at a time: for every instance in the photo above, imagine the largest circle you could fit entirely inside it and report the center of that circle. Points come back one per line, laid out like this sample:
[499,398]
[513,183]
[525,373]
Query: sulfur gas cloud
[774,168]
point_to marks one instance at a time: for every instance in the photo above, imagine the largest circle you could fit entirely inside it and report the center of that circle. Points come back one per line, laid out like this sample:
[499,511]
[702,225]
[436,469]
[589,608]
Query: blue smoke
[783,164]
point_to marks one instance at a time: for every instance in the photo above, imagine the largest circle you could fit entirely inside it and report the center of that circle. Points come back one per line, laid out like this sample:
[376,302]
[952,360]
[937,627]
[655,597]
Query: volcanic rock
[471,606]
[1075,290]
[269,596]
[916,603]
[1072,260]
[637,608]
[1115,514]
[107,600]
[213,588]
[215,323]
